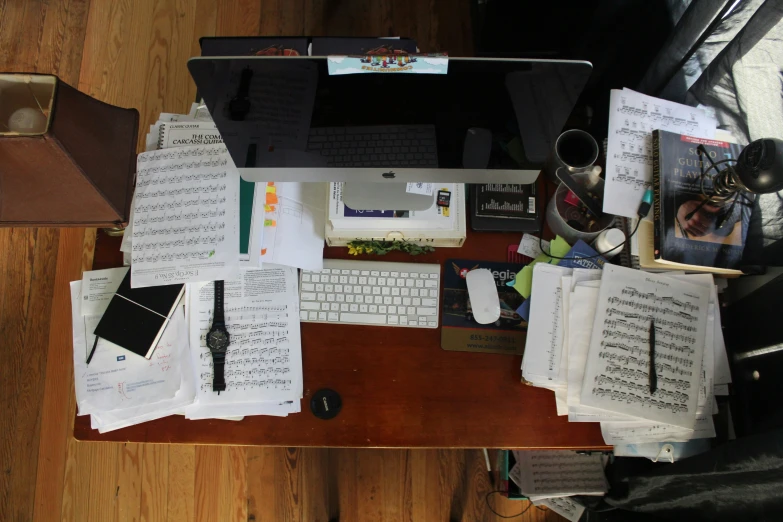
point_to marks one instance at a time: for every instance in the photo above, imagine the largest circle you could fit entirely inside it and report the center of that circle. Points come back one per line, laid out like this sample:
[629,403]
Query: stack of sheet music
[550,478]
[588,341]
[223,220]
[263,369]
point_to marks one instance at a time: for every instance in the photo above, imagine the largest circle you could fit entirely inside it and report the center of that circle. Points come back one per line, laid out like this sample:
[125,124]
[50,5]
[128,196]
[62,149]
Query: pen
[92,352]
[489,468]
[653,376]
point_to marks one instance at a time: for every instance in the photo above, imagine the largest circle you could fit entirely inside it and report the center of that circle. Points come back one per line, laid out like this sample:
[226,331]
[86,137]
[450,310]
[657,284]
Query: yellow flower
[352,251]
[369,250]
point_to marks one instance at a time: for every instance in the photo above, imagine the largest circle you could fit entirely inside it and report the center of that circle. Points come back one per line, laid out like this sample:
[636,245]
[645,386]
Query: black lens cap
[326,404]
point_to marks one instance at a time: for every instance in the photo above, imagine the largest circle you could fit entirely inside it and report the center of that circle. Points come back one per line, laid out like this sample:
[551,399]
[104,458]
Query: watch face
[217,340]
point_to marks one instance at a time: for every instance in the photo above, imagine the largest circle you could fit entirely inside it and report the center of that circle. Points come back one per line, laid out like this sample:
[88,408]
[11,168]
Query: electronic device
[483,294]
[371,292]
[265,108]
[218,340]
[758,170]
[378,146]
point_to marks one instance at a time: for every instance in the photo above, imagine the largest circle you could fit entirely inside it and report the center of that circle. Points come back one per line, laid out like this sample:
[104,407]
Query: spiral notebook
[180,134]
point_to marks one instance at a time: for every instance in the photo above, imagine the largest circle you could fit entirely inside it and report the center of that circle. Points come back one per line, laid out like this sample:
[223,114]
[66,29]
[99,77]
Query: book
[137,317]
[460,332]
[687,231]
[180,134]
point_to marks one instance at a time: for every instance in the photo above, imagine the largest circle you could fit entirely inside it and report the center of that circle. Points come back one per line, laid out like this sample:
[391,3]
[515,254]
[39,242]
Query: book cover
[136,317]
[585,257]
[688,228]
[460,332]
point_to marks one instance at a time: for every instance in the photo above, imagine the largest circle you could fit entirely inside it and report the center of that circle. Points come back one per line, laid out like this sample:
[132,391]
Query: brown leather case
[78,173]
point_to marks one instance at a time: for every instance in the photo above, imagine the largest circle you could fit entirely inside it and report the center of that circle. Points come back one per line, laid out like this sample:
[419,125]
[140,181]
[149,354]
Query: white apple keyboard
[371,292]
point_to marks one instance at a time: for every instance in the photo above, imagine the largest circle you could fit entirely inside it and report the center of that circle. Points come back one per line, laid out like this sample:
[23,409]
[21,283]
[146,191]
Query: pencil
[653,375]
[92,352]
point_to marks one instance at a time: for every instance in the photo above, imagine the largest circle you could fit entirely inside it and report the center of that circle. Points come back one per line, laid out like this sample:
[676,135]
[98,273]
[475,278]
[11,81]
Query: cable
[489,506]
[541,242]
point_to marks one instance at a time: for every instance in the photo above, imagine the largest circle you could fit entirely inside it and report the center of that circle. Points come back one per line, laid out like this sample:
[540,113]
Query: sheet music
[264,360]
[616,375]
[559,473]
[185,220]
[640,431]
[632,118]
[564,506]
[544,344]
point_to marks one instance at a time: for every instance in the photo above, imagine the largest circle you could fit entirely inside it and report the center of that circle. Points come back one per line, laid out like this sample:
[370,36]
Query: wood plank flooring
[132,53]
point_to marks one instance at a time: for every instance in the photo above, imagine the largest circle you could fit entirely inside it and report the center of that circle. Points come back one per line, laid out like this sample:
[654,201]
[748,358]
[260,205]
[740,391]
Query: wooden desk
[399,388]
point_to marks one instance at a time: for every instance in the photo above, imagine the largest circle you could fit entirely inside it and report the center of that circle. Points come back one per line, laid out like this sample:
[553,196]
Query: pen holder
[568,221]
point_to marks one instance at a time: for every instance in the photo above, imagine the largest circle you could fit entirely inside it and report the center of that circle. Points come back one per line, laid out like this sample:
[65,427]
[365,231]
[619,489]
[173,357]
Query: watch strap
[218,316]
[218,379]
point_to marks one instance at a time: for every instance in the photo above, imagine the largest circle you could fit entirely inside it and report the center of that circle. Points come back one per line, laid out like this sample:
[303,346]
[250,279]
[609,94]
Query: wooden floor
[132,53]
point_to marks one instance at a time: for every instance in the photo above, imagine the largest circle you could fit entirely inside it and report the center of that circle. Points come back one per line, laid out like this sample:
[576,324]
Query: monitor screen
[485,115]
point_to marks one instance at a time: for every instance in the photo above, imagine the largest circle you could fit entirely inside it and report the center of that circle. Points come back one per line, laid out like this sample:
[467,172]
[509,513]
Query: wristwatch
[218,340]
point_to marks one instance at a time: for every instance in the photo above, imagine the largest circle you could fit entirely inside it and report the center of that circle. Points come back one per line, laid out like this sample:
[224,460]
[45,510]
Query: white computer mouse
[483,295]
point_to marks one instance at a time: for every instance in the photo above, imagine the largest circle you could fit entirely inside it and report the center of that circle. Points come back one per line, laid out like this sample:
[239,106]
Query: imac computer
[288,119]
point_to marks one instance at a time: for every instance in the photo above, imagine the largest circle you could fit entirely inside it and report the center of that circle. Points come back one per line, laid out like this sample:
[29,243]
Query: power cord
[489,506]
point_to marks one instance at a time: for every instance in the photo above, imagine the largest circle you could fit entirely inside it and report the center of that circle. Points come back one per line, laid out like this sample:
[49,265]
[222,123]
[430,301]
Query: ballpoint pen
[653,375]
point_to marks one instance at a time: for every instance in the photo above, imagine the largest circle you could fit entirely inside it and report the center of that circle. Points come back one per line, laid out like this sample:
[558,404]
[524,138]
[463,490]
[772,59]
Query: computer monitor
[488,120]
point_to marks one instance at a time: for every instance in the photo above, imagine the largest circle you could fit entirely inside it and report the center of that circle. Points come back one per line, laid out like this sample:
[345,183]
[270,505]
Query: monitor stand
[384,196]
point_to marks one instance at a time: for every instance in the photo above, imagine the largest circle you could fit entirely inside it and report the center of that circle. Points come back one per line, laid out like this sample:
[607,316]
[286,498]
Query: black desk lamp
[758,170]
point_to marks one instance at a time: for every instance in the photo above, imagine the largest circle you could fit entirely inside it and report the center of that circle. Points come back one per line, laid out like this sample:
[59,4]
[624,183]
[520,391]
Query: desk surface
[399,388]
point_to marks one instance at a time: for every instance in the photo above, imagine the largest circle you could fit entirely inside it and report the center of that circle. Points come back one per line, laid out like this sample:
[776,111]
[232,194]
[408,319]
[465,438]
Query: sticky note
[271,189]
[270,223]
[528,246]
[269,208]
[524,280]
[271,198]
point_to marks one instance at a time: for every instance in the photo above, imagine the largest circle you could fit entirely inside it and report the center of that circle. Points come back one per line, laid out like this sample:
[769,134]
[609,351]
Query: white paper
[544,344]
[117,378]
[263,361]
[564,506]
[641,431]
[616,375]
[529,246]
[298,237]
[722,371]
[98,287]
[182,134]
[186,222]
[559,473]
[721,389]
[425,189]
[632,118]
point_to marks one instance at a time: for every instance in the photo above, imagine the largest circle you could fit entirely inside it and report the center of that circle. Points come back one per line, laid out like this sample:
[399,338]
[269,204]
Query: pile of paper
[263,369]
[238,223]
[588,341]
[549,478]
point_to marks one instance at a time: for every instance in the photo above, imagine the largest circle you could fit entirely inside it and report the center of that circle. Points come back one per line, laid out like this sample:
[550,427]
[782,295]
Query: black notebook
[136,318]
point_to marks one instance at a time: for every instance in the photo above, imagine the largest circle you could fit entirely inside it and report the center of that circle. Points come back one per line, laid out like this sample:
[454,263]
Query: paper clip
[666,453]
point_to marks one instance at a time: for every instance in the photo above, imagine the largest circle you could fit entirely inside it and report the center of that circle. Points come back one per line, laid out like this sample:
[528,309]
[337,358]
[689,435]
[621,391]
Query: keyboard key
[384,274]
[353,280]
[381,281]
[433,276]
[308,287]
[429,302]
[432,324]
[363,308]
[404,275]
[366,290]
[413,275]
[382,309]
[393,319]
[309,305]
[330,298]
[349,298]
[348,289]
[411,310]
[416,301]
[376,290]
[433,293]
[319,287]
[363,318]
[326,270]
[394,274]
[365,272]
[422,322]
[354,307]
[373,309]
[405,291]
[420,283]
[313,316]
[400,282]
[316,278]
[362,280]
[404,319]
[385,290]
[387,299]
[355,272]
[306,277]
[344,307]
[333,316]
[345,271]
[321,298]
[343,279]
[372,281]
[359,299]
[328,288]
[397,300]
[302,315]
[415,292]
[374,273]
[392,309]
[409,283]
[338,289]
[334,307]
[341,298]
[334,279]
[395,291]
[322,316]
[325,307]
[427,311]
[377,299]
[406,301]
[431,283]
